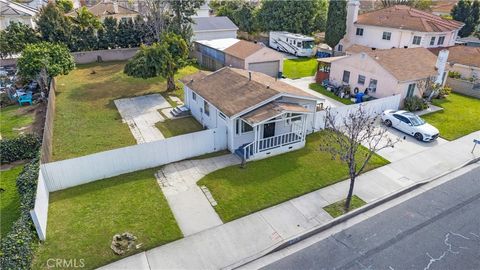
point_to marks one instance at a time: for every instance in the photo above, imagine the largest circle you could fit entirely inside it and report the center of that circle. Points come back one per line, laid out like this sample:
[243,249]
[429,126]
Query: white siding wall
[214,35]
[39,213]
[197,109]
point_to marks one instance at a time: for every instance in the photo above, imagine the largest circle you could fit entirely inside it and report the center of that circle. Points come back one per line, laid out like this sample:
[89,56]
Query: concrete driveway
[141,114]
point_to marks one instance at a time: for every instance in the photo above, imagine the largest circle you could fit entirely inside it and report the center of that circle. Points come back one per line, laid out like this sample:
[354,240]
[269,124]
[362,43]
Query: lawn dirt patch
[337,209]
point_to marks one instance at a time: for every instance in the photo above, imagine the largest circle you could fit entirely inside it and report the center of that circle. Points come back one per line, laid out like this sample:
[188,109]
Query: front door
[268,130]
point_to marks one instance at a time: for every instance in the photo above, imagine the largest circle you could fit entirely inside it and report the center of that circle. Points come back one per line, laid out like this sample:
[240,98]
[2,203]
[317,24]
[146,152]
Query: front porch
[277,128]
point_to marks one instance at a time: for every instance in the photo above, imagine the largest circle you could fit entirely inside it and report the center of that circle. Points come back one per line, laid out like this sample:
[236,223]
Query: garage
[271,68]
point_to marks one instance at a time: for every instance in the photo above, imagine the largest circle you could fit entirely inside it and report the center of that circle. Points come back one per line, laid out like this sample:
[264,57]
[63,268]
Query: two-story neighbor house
[261,115]
[397,26]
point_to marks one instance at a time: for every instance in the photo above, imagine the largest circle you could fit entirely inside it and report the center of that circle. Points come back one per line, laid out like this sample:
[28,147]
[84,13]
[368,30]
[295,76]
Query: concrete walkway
[246,238]
[141,114]
[189,205]
[303,83]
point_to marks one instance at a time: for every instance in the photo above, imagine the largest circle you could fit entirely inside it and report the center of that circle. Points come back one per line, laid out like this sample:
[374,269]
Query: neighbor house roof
[271,110]
[243,49]
[355,48]
[8,7]
[405,17]
[464,55]
[205,24]
[406,64]
[231,91]
[105,8]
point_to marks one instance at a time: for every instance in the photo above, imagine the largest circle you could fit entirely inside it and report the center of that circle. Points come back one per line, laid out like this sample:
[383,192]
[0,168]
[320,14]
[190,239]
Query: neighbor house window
[206,108]
[194,96]
[411,90]
[432,41]
[346,76]
[359,31]
[340,47]
[373,85]
[417,40]
[361,79]
[386,35]
[441,40]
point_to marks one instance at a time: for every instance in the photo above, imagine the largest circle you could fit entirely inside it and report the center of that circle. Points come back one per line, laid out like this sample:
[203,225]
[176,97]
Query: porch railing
[270,143]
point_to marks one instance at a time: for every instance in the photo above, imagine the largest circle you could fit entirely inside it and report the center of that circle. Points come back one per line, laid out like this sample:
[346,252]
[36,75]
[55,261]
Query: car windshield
[416,121]
[308,44]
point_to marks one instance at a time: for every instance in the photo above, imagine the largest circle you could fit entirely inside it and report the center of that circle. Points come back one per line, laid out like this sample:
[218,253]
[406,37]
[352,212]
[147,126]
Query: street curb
[293,240]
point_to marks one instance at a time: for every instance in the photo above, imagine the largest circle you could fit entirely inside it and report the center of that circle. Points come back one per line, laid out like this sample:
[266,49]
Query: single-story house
[207,28]
[107,8]
[383,73]
[262,116]
[232,52]
[11,11]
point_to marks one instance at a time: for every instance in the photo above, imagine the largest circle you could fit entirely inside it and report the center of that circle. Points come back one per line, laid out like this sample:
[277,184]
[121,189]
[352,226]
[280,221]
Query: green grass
[300,67]
[14,117]
[9,199]
[337,209]
[86,119]
[460,116]
[175,127]
[270,181]
[82,220]
[320,89]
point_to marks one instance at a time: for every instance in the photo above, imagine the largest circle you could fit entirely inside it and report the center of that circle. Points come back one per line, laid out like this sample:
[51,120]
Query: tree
[53,25]
[240,12]
[467,12]
[126,33]
[85,19]
[15,37]
[84,34]
[182,11]
[160,59]
[346,137]
[65,5]
[107,34]
[157,17]
[292,16]
[43,61]
[336,23]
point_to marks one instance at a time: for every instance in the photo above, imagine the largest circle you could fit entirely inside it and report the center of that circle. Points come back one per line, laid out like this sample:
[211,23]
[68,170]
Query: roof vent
[268,86]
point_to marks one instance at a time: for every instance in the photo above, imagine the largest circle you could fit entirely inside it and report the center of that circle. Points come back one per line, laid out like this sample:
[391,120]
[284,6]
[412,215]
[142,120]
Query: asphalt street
[439,229]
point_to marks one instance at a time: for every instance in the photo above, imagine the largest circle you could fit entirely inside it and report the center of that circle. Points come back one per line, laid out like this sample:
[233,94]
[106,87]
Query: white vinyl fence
[40,211]
[373,107]
[76,171]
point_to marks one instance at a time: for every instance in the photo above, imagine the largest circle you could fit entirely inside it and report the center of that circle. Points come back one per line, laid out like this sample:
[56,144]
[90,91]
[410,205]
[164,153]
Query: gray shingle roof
[213,24]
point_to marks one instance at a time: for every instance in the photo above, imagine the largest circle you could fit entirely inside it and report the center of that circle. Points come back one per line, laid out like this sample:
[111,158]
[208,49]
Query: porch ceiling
[271,110]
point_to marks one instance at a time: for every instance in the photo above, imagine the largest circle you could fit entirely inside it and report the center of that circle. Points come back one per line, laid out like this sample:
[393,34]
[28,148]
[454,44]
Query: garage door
[269,68]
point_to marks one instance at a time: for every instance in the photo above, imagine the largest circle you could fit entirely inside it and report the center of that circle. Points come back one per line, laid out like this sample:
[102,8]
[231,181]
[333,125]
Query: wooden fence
[47,139]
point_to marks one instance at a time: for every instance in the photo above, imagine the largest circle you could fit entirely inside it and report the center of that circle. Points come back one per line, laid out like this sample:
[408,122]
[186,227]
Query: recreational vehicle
[295,44]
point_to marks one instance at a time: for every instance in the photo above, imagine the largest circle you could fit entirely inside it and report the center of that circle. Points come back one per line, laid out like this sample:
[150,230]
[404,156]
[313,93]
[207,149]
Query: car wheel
[418,136]
[388,123]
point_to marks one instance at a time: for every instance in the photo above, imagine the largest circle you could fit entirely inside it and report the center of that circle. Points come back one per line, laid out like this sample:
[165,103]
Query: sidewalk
[229,245]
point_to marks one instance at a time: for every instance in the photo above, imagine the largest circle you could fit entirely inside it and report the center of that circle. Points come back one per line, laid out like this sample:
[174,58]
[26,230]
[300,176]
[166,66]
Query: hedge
[17,246]
[22,147]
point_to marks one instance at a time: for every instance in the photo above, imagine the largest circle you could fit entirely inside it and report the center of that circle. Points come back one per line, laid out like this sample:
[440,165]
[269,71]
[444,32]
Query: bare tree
[428,88]
[348,134]
[156,15]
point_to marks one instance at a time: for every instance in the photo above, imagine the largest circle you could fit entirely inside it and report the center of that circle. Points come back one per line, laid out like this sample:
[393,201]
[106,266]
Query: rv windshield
[308,44]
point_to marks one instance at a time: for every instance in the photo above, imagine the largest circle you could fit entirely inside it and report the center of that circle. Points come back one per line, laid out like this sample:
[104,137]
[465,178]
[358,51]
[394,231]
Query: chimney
[441,66]
[249,76]
[353,6]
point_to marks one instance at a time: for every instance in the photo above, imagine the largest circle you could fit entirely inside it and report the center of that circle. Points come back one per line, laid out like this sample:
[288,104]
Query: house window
[373,85]
[242,127]
[340,47]
[361,79]
[359,31]
[411,90]
[222,115]
[206,108]
[194,96]
[417,40]
[441,40]
[432,41]
[346,76]
[386,35]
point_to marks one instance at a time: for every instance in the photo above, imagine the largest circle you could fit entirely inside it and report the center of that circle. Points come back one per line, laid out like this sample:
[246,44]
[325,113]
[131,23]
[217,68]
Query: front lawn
[337,209]
[459,117]
[271,181]
[320,89]
[9,199]
[13,118]
[175,127]
[300,67]
[86,119]
[82,220]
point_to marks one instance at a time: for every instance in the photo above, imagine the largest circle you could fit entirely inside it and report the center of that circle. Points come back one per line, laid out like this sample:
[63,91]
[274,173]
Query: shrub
[22,147]
[415,104]
[444,91]
[17,246]
[454,74]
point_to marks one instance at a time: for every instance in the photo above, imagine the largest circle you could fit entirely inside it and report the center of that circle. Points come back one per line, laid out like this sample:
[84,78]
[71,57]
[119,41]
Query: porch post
[255,139]
[304,126]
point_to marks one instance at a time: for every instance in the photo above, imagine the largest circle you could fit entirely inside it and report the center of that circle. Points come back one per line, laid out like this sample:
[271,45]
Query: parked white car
[410,124]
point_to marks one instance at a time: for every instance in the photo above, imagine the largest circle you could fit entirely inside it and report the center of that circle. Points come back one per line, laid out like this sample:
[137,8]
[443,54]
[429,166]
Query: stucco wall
[464,87]
[6,19]
[466,71]
[231,61]
[106,55]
